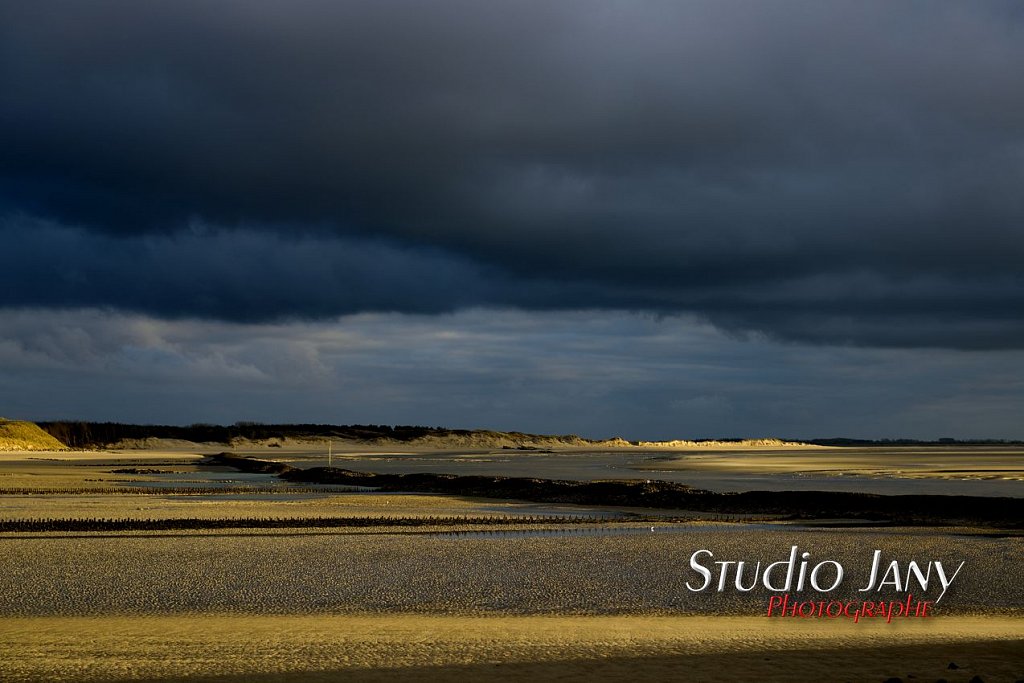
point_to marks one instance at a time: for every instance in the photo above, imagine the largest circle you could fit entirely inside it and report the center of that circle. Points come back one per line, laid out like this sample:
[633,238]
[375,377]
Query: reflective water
[583,466]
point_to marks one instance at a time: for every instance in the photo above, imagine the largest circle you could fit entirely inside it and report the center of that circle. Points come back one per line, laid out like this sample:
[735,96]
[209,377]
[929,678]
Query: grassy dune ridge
[16,435]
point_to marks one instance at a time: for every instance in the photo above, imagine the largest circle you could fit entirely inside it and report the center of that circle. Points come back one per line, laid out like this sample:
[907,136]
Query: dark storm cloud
[234,275]
[831,172]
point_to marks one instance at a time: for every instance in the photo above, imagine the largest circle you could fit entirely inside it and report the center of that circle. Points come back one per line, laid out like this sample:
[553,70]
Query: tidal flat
[605,600]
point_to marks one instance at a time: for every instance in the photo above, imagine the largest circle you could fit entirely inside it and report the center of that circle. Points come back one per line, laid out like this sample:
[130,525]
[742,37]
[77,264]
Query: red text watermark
[782,606]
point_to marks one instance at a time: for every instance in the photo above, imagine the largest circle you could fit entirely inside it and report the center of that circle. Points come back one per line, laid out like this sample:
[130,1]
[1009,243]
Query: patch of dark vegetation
[127,524]
[141,470]
[796,505]
[122,462]
[248,465]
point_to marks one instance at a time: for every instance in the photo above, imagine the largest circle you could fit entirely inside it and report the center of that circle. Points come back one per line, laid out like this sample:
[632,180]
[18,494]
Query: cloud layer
[596,375]
[845,172]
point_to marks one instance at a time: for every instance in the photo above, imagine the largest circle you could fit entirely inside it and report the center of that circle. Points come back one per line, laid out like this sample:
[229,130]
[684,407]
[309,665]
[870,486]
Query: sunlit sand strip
[380,647]
[744,444]
[951,465]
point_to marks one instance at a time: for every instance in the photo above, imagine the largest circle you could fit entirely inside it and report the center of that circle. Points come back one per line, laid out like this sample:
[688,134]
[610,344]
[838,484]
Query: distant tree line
[77,434]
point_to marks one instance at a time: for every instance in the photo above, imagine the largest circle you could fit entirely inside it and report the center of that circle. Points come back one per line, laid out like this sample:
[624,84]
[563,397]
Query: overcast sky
[651,219]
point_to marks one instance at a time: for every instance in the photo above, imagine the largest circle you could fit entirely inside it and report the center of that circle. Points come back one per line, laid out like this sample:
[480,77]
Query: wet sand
[908,462]
[888,470]
[953,470]
[281,505]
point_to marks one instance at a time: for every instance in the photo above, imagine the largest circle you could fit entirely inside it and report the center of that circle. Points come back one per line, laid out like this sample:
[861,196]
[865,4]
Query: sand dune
[26,436]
